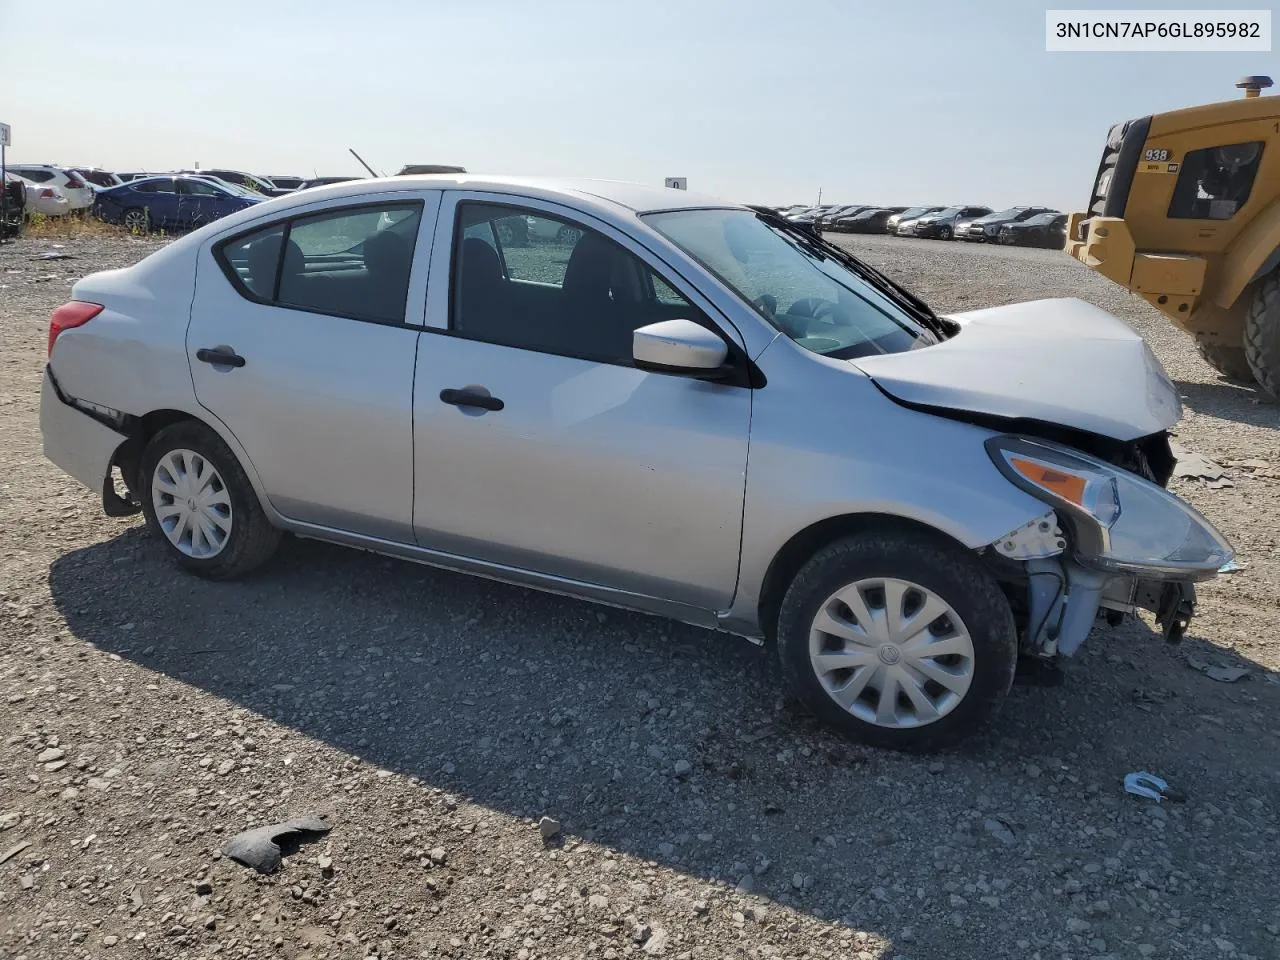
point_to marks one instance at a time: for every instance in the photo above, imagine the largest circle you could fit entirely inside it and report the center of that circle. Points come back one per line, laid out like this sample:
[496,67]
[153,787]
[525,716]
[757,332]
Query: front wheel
[1262,335]
[199,503]
[897,639]
[944,232]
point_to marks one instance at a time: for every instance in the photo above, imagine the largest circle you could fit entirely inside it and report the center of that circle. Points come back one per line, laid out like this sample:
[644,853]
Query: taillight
[70,315]
[47,194]
[74,181]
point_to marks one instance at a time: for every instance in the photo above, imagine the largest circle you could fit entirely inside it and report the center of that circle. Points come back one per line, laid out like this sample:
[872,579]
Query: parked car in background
[871,220]
[1044,230]
[286,182]
[325,181]
[126,176]
[911,213]
[249,181]
[15,205]
[424,169]
[285,371]
[47,200]
[942,225]
[70,184]
[169,202]
[98,177]
[987,229]
[829,217]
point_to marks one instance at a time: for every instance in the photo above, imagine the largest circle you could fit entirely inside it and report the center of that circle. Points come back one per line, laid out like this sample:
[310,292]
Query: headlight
[1120,522]
[1104,183]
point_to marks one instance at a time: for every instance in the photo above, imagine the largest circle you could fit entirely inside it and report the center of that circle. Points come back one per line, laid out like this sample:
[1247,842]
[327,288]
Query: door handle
[220,357]
[469,398]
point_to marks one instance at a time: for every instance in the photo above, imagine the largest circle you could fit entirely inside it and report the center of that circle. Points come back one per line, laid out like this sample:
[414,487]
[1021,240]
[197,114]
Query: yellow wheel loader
[1185,212]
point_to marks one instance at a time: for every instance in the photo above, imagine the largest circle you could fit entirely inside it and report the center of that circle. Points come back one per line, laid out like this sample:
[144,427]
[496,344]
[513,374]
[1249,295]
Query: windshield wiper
[822,249]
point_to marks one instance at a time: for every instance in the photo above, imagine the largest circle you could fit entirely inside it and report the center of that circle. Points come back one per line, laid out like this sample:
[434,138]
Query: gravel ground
[434,719]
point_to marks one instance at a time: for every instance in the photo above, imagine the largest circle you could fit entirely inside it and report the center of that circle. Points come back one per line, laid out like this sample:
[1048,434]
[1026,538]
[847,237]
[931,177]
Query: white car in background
[78,193]
[46,200]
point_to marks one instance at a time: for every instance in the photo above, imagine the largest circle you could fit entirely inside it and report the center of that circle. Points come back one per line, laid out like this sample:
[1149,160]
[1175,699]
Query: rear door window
[350,262]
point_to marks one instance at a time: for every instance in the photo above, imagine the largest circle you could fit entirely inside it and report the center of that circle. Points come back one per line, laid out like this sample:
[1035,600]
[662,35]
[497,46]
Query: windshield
[910,212]
[1042,220]
[949,212]
[868,214]
[815,300]
[1004,214]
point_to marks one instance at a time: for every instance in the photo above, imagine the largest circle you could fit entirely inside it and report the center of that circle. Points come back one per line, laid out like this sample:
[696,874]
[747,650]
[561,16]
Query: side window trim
[217,250]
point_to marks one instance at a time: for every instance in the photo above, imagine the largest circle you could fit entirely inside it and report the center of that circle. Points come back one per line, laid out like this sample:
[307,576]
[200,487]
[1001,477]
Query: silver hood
[1057,361]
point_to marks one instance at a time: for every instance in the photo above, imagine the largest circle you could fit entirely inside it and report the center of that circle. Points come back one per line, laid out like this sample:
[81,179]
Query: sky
[902,102]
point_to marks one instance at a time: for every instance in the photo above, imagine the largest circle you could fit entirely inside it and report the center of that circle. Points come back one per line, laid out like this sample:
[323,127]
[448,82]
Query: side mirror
[680,346]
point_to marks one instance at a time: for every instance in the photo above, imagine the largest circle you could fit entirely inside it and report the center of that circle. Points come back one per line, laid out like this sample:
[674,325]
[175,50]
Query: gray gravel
[511,774]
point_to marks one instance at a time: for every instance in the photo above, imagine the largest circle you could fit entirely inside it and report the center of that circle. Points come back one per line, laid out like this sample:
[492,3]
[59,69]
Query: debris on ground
[1226,674]
[1195,466]
[14,851]
[549,828]
[259,848]
[1143,784]
[1216,672]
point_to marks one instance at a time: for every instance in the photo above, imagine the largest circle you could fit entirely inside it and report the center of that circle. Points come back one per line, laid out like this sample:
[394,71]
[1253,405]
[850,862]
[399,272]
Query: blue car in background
[170,203]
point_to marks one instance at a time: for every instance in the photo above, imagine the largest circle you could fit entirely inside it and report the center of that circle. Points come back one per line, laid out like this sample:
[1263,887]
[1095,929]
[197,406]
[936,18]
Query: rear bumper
[75,441]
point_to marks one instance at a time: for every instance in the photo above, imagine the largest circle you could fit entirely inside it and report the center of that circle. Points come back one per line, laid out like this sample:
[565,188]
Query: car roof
[639,198]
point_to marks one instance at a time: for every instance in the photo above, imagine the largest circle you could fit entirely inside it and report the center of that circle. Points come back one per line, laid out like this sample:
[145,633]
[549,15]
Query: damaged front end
[1111,541]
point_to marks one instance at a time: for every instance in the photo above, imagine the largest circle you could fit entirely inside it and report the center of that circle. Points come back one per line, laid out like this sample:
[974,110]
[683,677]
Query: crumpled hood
[1058,361]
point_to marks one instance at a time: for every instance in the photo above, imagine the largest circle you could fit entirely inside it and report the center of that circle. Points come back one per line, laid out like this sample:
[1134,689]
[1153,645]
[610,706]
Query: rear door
[302,341]
[572,462]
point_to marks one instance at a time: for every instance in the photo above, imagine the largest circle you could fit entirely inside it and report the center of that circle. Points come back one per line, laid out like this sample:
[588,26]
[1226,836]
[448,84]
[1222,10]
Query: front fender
[858,452]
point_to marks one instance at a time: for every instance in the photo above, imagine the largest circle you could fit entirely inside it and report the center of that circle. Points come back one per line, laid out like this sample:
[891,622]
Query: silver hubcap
[891,652]
[192,504]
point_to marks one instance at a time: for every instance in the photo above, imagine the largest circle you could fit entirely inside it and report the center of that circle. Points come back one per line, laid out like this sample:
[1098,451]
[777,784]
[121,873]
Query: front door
[302,341]
[540,446]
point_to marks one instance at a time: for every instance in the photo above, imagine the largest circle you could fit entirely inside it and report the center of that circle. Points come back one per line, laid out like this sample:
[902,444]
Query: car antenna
[372,172]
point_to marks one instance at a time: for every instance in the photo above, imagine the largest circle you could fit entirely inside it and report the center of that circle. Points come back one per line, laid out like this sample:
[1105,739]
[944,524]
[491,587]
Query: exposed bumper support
[1064,598]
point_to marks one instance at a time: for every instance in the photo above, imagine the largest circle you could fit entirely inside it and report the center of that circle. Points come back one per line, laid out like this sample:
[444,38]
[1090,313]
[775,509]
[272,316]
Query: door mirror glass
[678,346]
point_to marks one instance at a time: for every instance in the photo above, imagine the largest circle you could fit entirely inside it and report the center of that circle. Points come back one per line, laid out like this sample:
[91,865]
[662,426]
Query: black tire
[951,572]
[1262,335]
[567,236]
[252,540]
[1228,360]
[944,232]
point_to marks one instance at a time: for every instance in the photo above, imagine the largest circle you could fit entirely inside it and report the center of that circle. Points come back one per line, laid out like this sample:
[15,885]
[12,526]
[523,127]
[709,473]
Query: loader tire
[1262,335]
[1226,359]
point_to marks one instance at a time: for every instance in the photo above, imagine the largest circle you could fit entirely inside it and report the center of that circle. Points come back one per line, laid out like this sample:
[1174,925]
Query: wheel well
[803,545]
[141,429]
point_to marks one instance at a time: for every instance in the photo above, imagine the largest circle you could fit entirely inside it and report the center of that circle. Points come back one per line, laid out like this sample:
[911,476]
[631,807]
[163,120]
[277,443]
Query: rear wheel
[1228,360]
[1262,335]
[898,639]
[200,504]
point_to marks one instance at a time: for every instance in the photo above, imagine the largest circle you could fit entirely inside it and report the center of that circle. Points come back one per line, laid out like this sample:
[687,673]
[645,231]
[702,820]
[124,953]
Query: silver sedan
[650,399]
